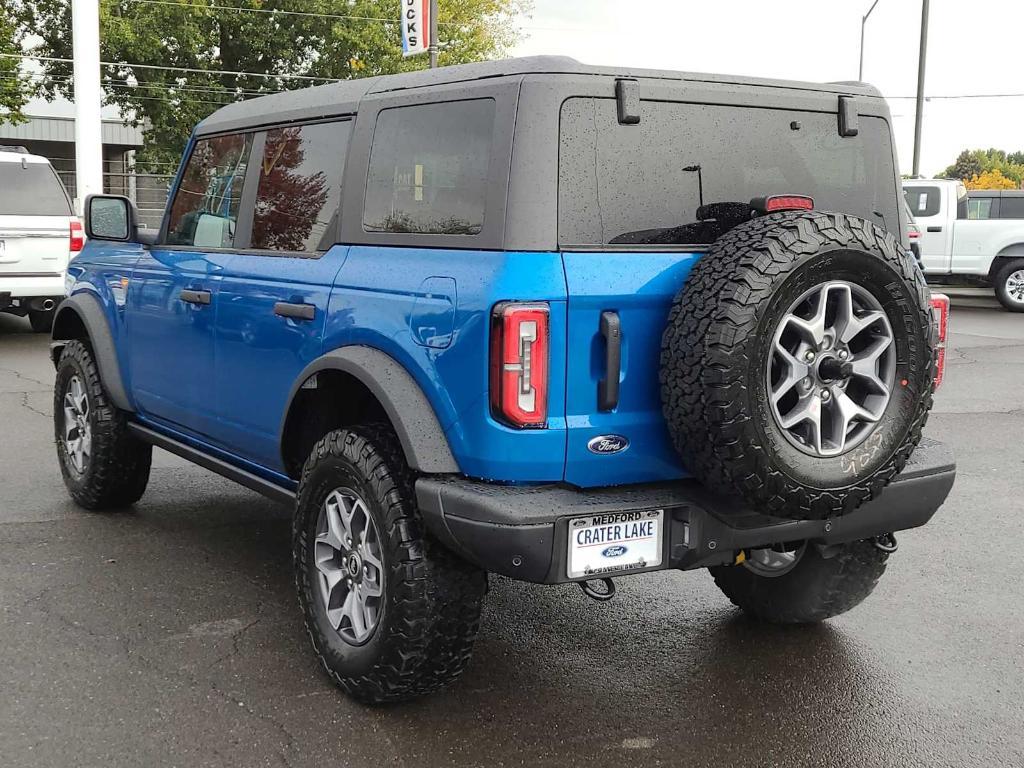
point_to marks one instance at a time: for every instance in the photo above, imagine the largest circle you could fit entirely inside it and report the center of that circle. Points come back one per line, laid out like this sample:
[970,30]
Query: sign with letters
[415,26]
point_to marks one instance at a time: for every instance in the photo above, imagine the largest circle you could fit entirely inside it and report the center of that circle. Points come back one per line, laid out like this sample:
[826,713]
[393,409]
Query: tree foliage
[321,39]
[976,163]
[14,87]
[991,179]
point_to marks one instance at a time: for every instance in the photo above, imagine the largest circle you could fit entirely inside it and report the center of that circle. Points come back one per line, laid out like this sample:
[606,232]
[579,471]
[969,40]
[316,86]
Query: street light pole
[85,35]
[433,34]
[920,88]
[863,21]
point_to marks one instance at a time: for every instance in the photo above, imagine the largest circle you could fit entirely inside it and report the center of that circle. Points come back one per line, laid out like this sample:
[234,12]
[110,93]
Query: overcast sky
[973,47]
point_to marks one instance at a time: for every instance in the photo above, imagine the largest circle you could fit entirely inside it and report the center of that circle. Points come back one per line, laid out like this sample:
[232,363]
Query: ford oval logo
[605,444]
[616,550]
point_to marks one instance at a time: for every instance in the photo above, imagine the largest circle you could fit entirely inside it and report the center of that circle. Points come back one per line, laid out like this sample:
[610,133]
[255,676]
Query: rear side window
[428,168]
[31,190]
[923,201]
[979,208]
[1011,208]
[299,190]
[205,208]
[655,183]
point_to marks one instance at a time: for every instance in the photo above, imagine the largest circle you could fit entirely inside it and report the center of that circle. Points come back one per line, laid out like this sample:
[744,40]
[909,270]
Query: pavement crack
[25,404]
[22,377]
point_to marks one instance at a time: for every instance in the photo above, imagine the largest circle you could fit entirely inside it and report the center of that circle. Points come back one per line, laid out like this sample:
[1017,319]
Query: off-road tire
[817,588]
[432,598]
[999,283]
[41,321]
[118,469]
[714,358]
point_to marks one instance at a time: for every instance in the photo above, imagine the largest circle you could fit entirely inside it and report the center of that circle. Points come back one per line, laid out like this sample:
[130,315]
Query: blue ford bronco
[530,318]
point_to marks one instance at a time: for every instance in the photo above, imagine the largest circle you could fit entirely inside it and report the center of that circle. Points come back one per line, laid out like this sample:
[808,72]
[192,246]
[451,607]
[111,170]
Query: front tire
[809,589]
[104,466]
[1009,285]
[391,613]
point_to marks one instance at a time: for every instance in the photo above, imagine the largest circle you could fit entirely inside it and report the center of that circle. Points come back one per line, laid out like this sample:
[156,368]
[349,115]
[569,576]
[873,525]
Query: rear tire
[103,464]
[41,322]
[1009,285]
[814,589]
[415,608]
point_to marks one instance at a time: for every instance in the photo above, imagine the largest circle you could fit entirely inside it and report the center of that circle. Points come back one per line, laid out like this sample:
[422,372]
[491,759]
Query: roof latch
[627,96]
[848,119]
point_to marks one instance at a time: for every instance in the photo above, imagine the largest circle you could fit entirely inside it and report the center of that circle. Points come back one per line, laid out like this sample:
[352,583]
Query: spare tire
[797,364]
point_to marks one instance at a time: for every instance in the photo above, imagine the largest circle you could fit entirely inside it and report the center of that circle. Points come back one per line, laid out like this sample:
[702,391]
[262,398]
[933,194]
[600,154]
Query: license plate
[600,545]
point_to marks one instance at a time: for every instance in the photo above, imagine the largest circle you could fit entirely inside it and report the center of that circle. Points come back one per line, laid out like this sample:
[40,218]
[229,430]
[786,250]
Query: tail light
[778,203]
[519,364]
[940,318]
[76,240]
[914,233]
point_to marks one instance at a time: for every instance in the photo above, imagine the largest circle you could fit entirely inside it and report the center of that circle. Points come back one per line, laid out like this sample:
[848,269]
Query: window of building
[429,167]
[205,208]
[299,190]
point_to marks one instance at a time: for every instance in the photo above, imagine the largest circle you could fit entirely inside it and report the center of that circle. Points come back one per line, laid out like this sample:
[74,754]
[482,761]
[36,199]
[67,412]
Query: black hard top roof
[343,97]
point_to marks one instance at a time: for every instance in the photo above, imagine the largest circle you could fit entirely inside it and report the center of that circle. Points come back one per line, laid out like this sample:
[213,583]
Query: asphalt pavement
[169,635]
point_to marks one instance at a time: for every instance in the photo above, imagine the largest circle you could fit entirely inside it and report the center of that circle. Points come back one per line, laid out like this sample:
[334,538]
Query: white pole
[85,23]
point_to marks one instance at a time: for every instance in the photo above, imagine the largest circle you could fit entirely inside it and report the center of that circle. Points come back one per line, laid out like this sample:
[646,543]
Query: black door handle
[296,311]
[608,387]
[934,229]
[195,297]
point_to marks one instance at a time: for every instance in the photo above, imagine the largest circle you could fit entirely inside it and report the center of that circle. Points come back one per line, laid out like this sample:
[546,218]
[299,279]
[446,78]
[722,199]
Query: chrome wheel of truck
[77,432]
[1009,285]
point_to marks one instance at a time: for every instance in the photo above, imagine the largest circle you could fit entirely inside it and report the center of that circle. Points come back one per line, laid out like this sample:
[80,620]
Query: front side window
[687,172]
[923,201]
[979,208]
[428,169]
[299,190]
[205,208]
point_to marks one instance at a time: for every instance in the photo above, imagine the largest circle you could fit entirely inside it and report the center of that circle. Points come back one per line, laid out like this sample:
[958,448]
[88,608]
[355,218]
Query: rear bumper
[523,532]
[26,285]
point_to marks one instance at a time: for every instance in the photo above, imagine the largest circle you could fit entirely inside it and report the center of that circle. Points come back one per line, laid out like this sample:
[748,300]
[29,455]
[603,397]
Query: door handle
[608,387]
[296,311]
[934,229]
[195,297]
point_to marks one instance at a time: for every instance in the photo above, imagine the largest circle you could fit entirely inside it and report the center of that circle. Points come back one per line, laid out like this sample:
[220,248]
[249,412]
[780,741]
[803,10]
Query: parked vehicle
[913,233]
[531,318]
[974,238]
[38,235]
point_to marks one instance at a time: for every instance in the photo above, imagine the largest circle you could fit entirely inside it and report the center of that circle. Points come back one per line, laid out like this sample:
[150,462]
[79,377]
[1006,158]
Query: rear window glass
[979,208]
[923,201]
[1011,208]
[205,208]
[428,169]
[299,190]
[32,190]
[655,183]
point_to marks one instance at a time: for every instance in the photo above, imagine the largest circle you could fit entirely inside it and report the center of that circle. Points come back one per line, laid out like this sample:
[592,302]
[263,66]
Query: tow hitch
[886,543]
[600,595]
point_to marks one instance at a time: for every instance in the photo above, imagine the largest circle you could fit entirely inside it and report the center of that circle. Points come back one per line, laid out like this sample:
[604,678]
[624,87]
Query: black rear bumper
[523,532]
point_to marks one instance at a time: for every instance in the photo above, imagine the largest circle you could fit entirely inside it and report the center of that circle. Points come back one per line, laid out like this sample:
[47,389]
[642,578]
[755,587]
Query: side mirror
[111,217]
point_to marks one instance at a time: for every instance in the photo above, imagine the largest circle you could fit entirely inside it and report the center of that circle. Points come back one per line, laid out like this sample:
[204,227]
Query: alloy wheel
[77,429]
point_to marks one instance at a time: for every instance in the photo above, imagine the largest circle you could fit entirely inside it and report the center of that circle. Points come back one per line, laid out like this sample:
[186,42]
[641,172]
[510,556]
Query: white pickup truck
[970,238]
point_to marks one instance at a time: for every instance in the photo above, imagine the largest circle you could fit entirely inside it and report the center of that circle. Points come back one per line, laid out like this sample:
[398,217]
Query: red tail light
[913,234]
[76,240]
[940,317]
[519,364]
[777,203]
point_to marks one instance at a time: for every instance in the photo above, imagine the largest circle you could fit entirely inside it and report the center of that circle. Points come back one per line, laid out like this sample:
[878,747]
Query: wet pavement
[168,635]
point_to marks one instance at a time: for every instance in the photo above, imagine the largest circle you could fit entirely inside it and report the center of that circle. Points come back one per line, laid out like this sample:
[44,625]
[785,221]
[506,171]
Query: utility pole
[920,88]
[85,24]
[433,34]
[863,21]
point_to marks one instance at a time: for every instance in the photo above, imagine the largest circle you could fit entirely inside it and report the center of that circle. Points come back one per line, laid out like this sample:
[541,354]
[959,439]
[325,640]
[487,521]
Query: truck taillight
[940,316]
[519,364]
[76,239]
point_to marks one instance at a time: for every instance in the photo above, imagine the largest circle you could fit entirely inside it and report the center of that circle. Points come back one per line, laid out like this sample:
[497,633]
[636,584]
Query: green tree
[285,40]
[977,162]
[15,89]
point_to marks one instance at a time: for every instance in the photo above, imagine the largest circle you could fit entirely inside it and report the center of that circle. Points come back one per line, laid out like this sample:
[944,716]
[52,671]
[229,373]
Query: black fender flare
[89,310]
[412,416]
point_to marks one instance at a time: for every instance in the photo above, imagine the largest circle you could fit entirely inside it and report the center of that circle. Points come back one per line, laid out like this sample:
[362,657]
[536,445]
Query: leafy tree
[321,39]
[993,179]
[14,87]
[972,163]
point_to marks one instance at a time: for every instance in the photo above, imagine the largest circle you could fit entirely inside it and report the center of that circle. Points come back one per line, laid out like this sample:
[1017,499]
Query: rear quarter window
[31,190]
[429,166]
[643,184]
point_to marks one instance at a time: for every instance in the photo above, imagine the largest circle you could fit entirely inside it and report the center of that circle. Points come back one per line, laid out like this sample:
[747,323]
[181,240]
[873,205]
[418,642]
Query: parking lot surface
[169,635]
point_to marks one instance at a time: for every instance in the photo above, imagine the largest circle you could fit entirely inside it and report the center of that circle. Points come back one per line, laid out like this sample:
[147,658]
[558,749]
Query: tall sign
[415,27]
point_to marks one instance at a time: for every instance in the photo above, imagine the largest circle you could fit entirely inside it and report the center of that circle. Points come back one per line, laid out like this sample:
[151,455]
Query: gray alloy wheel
[771,562]
[832,368]
[349,565]
[77,430]
[1015,286]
